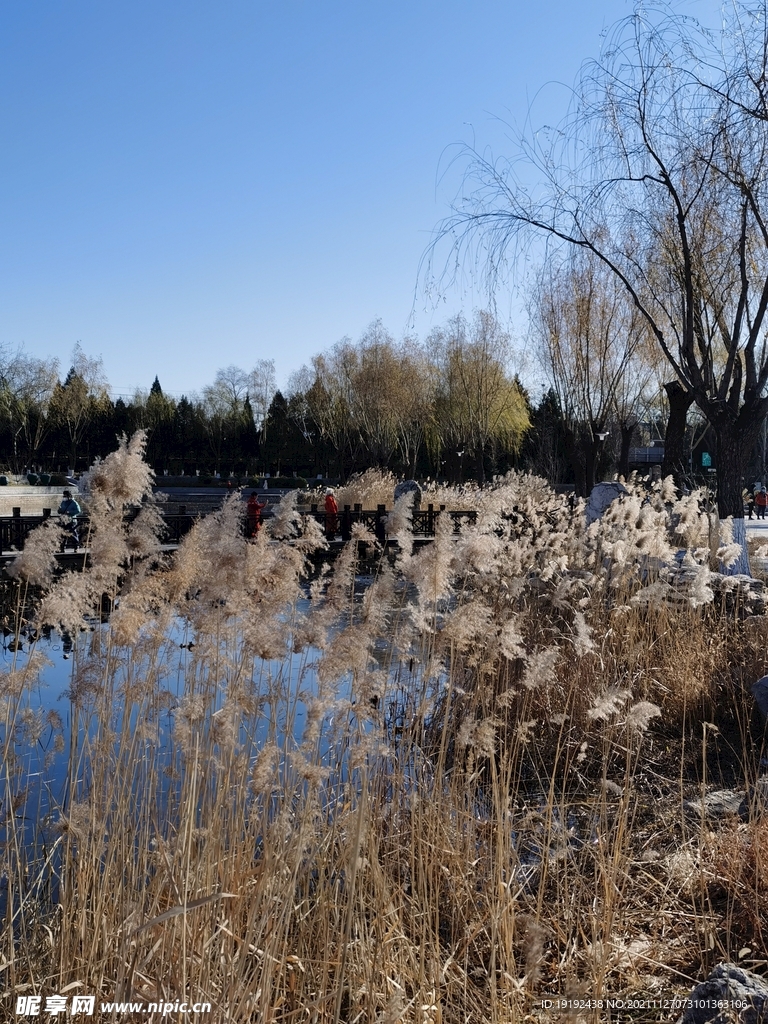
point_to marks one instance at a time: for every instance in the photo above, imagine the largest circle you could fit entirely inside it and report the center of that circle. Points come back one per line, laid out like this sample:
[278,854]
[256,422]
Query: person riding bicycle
[69,507]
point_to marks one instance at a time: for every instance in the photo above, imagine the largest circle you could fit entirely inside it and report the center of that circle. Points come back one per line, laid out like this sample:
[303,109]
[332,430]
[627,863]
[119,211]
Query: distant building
[653,456]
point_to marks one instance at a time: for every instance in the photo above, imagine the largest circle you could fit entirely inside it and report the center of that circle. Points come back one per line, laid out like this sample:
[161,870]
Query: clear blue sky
[189,185]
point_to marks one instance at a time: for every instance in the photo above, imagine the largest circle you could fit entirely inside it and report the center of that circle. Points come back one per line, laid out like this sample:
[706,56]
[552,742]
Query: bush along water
[435,794]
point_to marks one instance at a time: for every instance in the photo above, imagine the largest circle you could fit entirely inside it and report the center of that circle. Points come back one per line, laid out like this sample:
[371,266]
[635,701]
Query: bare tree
[27,385]
[75,403]
[414,408]
[661,172]
[261,385]
[374,391]
[227,393]
[590,340]
[327,400]
[380,402]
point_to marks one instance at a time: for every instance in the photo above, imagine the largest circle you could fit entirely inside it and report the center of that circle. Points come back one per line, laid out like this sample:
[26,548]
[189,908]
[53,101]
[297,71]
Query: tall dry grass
[433,787]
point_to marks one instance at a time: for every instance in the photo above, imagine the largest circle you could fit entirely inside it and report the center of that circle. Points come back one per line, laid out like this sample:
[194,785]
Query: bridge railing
[424,521]
[15,529]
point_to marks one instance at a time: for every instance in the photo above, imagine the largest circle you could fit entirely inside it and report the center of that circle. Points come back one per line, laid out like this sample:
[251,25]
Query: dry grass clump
[369,489]
[735,879]
[434,797]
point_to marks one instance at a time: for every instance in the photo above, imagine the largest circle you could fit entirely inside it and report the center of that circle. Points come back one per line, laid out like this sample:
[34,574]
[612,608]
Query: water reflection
[61,703]
[93,716]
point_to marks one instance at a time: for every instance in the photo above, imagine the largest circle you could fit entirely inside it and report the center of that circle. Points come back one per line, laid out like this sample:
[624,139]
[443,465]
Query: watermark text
[85,1006]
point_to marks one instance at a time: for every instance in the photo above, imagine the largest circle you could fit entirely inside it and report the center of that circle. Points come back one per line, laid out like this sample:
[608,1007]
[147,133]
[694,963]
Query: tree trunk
[733,445]
[675,462]
[480,464]
[589,469]
[592,450]
[572,449]
[627,430]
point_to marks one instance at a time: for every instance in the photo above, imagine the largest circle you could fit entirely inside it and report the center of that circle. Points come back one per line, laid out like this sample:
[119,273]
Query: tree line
[447,407]
[450,407]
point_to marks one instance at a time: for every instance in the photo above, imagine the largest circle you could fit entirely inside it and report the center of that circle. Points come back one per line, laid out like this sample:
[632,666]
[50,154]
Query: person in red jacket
[761,502]
[255,508]
[331,514]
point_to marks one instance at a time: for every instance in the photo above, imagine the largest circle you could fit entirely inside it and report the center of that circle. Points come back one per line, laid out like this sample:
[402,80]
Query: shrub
[291,482]
[279,482]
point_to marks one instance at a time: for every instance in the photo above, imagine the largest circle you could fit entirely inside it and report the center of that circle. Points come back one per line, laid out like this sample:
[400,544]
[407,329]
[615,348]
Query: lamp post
[460,453]
[601,436]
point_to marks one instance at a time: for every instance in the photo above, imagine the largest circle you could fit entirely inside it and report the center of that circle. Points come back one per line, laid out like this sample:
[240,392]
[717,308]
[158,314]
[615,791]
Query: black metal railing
[15,529]
[423,521]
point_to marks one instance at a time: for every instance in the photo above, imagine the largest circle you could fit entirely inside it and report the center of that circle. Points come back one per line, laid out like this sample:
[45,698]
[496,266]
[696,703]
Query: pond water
[39,778]
[60,734]
[51,692]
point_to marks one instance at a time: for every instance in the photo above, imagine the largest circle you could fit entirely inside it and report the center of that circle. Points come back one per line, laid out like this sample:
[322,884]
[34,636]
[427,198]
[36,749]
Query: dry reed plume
[435,795]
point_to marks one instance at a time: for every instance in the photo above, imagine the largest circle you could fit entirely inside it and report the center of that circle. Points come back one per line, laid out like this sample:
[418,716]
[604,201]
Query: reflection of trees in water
[18,603]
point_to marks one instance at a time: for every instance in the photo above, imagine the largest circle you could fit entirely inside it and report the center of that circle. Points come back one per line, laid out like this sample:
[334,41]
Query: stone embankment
[30,500]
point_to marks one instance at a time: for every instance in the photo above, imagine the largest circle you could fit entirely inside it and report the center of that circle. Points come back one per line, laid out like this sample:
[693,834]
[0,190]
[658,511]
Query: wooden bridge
[15,529]
[424,521]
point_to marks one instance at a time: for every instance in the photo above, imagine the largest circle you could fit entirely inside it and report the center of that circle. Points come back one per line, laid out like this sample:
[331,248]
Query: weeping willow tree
[660,172]
[590,343]
[478,405]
